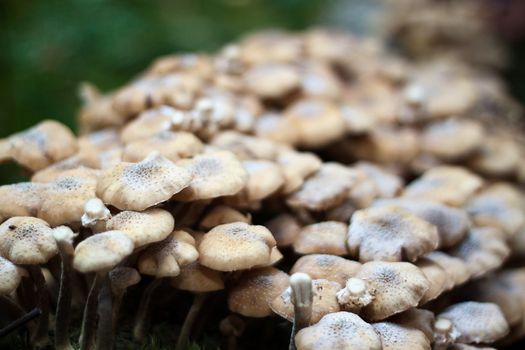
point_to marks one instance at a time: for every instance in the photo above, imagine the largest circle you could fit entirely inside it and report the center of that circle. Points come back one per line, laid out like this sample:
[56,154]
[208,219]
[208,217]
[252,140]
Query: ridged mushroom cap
[148,124]
[326,237]
[222,214]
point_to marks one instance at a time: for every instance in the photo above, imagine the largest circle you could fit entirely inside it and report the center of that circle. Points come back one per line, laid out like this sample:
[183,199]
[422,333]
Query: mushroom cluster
[312,177]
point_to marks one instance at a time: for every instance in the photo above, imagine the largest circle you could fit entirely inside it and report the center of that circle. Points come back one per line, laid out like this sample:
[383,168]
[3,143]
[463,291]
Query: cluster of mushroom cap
[315,153]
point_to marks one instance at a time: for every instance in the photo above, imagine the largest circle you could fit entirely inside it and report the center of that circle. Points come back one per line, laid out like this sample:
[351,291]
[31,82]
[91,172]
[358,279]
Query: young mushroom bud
[355,295]
[95,215]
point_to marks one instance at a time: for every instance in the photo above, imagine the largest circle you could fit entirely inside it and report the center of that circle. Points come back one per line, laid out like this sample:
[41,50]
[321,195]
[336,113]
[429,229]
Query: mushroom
[474,322]
[285,229]
[398,337]
[272,80]
[329,267]
[387,184]
[255,290]
[96,214]
[121,278]
[21,199]
[296,167]
[326,237]
[499,156]
[440,280]
[149,123]
[138,186]
[236,246]
[389,234]
[416,318]
[339,331]
[100,253]
[455,267]
[222,214]
[274,127]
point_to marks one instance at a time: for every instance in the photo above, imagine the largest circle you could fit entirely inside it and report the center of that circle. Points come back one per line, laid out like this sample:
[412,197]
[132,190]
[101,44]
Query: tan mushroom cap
[54,172]
[326,237]
[42,145]
[357,119]
[223,214]
[21,199]
[440,280]
[199,279]
[215,174]
[318,121]
[171,145]
[398,337]
[273,126]
[123,277]
[285,229]
[396,287]
[138,186]
[325,189]
[324,301]
[452,139]
[386,183]
[446,184]
[236,246]
[245,146]
[416,318]
[452,223]
[149,226]
[455,267]
[9,277]
[272,80]
[165,258]
[476,322]
[329,267]
[296,167]
[468,347]
[255,290]
[499,156]
[149,123]
[97,110]
[318,79]
[482,250]
[102,251]
[390,234]
[27,241]
[339,331]
[270,46]
[501,205]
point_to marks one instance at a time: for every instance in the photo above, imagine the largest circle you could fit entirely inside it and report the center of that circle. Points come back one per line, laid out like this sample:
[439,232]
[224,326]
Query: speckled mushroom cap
[27,241]
[285,229]
[318,121]
[386,183]
[325,189]
[440,280]
[326,237]
[452,139]
[236,246]
[149,123]
[500,205]
[214,175]
[329,267]
[398,337]
[272,80]
[476,322]
[138,186]
[339,331]
[482,250]
[222,214]
[499,156]
[396,287]
[122,277]
[455,267]
[9,276]
[390,234]
[324,301]
[296,167]
[199,279]
[416,318]
[21,199]
[245,147]
[451,223]
[63,200]
[255,290]
[165,258]
[42,145]
[446,184]
[171,145]
[102,251]
[145,227]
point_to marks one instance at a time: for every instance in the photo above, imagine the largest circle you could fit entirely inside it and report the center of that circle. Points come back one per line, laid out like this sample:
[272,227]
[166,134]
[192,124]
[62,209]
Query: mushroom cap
[285,229]
[245,147]
[27,241]
[171,145]
[138,186]
[390,234]
[199,279]
[387,184]
[329,267]
[102,251]
[255,290]
[222,214]
[396,286]
[21,199]
[165,258]
[215,174]
[339,331]
[499,156]
[455,267]
[416,318]
[274,127]
[476,322]
[325,189]
[149,123]
[482,250]
[272,80]
[236,246]
[452,223]
[56,171]
[440,280]
[326,237]
[398,337]
[446,184]
[324,301]
[9,276]
[264,179]
[296,167]
[122,277]
[145,227]
[458,346]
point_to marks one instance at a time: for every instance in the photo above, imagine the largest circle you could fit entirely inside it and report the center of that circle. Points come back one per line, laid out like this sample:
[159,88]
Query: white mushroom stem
[89,320]
[444,334]
[40,338]
[105,313]
[95,215]
[302,299]
[355,295]
[191,317]
[142,318]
